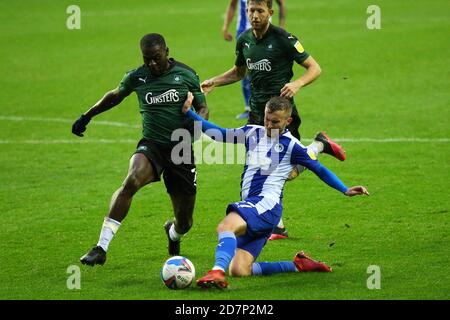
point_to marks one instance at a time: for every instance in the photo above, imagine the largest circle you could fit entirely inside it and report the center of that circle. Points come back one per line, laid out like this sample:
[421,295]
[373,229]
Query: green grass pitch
[376,85]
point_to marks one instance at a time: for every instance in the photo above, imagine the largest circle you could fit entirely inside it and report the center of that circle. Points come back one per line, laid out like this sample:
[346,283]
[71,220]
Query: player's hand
[79,126]
[355,191]
[188,103]
[207,86]
[289,90]
[227,36]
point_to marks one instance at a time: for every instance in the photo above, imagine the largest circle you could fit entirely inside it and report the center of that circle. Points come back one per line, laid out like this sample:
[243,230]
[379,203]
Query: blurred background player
[267,53]
[161,85]
[243,24]
[244,231]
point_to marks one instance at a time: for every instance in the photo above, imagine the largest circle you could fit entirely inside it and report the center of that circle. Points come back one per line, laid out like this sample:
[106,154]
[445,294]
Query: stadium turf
[384,93]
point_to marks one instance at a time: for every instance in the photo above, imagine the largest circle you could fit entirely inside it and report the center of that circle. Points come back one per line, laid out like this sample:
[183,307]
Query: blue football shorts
[261,215]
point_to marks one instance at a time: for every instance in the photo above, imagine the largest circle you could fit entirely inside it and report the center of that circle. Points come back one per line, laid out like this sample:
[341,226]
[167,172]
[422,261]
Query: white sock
[109,229]
[315,147]
[280,224]
[175,236]
[218,268]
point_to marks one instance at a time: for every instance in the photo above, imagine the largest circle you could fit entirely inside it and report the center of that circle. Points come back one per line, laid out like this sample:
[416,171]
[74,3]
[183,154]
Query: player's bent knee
[240,271]
[241,265]
[132,184]
[223,227]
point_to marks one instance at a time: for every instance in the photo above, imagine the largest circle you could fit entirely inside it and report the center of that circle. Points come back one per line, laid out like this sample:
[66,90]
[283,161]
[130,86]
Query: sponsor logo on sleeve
[299,47]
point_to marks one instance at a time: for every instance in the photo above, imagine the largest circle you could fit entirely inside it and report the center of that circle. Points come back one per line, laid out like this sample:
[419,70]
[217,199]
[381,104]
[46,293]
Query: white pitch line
[204,137]
[74,141]
[59,120]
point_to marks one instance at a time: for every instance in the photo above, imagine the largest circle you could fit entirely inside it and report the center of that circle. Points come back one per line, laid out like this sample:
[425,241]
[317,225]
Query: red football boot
[214,278]
[330,147]
[279,233]
[303,263]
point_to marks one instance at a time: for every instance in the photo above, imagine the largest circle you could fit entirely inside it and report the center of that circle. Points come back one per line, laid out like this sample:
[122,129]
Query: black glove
[79,126]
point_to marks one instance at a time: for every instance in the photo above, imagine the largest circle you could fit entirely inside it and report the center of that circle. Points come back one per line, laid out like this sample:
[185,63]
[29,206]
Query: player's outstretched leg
[140,173]
[300,263]
[330,147]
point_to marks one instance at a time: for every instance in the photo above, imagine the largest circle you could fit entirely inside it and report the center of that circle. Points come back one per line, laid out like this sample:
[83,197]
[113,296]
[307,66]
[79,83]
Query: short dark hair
[268,2]
[153,39]
[279,103]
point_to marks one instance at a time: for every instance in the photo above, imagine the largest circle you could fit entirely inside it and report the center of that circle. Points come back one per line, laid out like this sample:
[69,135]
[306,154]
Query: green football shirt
[269,62]
[161,98]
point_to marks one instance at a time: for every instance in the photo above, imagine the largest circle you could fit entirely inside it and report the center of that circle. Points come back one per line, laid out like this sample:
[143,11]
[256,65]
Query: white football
[177,273]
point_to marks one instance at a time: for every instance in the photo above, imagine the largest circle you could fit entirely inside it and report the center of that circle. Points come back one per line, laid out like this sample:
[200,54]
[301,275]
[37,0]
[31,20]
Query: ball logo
[171,95]
[261,65]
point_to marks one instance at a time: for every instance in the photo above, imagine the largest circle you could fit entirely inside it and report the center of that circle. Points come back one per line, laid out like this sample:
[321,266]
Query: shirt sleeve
[300,156]
[193,83]
[125,86]
[217,133]
[240,60]
[295,49]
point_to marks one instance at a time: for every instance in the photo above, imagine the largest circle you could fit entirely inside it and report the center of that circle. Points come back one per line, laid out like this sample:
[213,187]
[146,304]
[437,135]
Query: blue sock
[225,250]
[267,268]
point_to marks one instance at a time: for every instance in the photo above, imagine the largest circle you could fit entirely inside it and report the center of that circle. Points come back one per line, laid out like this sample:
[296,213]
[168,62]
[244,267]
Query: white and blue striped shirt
[269,161]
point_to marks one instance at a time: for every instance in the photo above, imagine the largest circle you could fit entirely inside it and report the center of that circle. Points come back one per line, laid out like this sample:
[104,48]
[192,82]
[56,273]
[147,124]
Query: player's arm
[199,100]
[231,10]
[110,99]
[281,13]
[313,71]
[233,75]
[202,110]
[300,156]
[333,181]
[210,129]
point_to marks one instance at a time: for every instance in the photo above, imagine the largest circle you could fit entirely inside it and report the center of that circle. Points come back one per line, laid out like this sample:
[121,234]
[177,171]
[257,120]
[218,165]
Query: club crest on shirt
[278,147]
